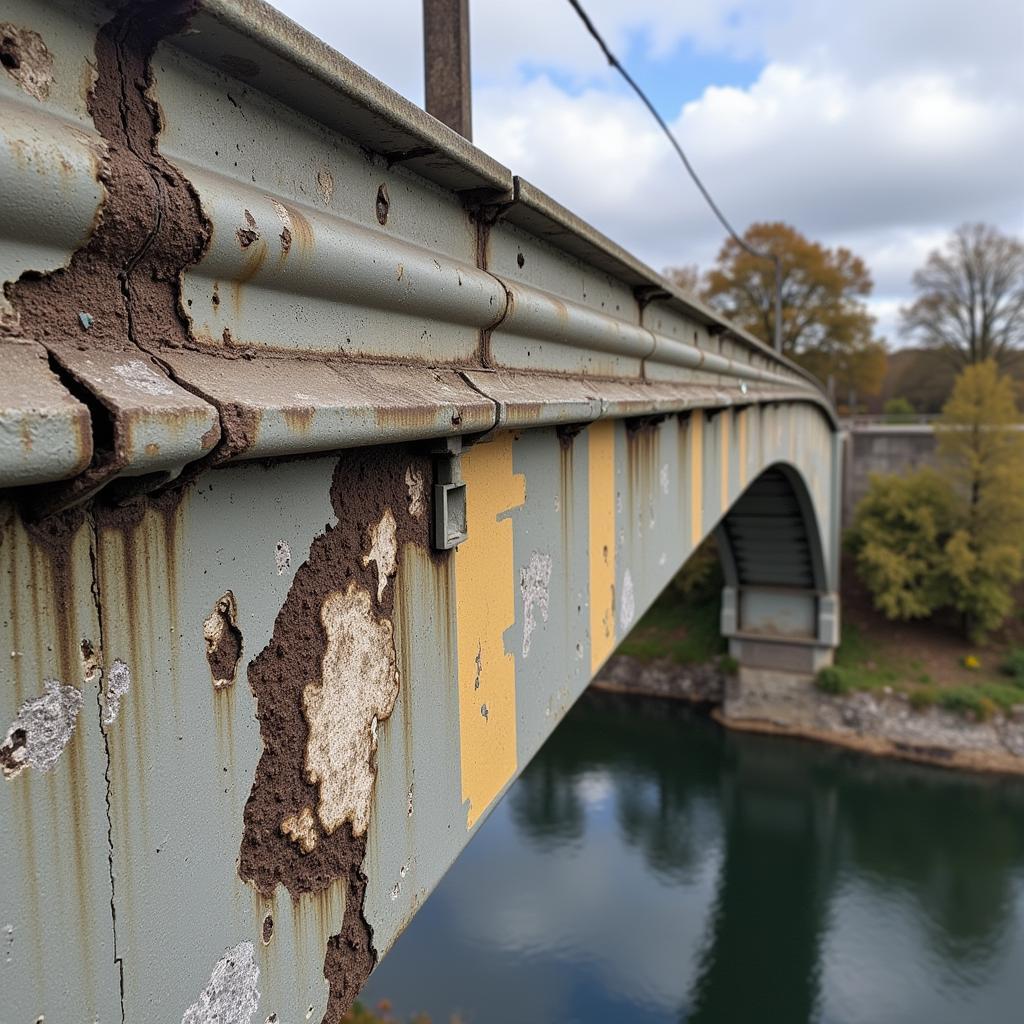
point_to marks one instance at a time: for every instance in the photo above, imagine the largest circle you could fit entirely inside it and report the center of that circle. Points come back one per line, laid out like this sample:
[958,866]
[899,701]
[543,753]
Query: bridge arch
[779,607]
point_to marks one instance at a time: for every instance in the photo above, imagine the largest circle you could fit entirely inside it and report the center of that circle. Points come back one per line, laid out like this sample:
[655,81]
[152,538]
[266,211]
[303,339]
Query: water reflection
[649,867]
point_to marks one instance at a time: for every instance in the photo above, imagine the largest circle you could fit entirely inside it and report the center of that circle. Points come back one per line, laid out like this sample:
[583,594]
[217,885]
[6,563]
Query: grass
[860,666]
[686,632]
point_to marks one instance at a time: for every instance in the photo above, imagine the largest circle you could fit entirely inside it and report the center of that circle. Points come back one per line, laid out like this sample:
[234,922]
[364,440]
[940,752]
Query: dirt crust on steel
[367,483]
[125,279]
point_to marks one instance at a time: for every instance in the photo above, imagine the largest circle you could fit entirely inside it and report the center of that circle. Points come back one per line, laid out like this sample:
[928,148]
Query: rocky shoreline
[882,723]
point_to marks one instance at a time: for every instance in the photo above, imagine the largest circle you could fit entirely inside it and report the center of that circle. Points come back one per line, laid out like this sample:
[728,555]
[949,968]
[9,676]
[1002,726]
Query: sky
[878,125]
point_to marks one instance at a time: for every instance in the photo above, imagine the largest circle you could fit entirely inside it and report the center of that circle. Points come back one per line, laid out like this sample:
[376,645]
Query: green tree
[826,326]
[970,297]
[899,535]
[979,441]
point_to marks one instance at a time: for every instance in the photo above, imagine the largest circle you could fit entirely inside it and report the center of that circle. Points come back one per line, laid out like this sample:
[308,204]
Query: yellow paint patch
[696,439]
[485,584]
[601,482]
[741,432]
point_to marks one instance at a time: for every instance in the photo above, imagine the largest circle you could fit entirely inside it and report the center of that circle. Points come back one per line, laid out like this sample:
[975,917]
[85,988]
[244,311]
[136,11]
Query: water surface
[650,867]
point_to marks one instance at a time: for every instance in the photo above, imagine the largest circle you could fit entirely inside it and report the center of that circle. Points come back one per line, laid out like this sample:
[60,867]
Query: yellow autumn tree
[983,451]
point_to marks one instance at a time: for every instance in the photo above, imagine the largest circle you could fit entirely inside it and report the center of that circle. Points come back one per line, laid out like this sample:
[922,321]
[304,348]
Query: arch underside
[777,609]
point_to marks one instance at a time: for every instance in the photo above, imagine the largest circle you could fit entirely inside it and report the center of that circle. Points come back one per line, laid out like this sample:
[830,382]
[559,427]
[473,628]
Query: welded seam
[94,586]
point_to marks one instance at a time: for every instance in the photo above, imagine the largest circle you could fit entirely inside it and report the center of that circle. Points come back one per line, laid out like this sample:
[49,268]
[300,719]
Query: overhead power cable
[740,241]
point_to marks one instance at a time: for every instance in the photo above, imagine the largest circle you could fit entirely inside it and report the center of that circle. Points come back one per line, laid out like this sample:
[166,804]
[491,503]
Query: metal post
[446,63]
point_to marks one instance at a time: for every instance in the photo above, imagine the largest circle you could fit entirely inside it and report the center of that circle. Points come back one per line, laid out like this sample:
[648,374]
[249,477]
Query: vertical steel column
[446,63]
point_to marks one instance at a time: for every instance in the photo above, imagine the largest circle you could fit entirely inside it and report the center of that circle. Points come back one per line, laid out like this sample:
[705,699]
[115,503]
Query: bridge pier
[779,630]
[780,640]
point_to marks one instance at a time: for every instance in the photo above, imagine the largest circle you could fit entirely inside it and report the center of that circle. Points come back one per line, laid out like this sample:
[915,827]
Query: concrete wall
[882,448]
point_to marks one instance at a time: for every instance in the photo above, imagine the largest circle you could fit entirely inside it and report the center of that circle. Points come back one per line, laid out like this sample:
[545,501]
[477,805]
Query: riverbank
[883,723]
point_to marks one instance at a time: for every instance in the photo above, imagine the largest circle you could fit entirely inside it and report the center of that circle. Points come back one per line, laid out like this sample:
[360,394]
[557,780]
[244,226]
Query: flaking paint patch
[358,688]
[282,556]
[627,601]
[26,59]
[383,550]
[534,585]
[301,829]
[119,681]
[223,641]
[415,485]
[43,728]
[231,995]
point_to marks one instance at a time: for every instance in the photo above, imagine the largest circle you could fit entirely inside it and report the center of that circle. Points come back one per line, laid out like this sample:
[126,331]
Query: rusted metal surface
[44,433]
[446,64]
[251,714]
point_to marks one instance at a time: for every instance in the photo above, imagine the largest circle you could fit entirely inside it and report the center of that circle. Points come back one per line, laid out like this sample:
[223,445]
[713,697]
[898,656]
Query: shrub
[1013,666]
[728,664]
[965,700]
[898,539]
[899,410]
[833,680]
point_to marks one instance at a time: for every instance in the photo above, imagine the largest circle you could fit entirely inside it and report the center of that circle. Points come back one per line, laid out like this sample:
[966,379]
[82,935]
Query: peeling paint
[90,663]
[325,184]
[663,478]
[223,641]
[43,728]
[415,485]
[383,550]
[231,995]
[25,58]
[119,680]
[534,584]
[282,556]
[301,829]
[359,686]
[141,377]
[627,601]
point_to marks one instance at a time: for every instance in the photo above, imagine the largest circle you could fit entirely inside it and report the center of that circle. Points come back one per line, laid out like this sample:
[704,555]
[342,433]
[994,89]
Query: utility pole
[446,63]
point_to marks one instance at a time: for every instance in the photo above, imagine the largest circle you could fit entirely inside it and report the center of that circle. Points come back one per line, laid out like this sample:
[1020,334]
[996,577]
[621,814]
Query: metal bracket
[450,527]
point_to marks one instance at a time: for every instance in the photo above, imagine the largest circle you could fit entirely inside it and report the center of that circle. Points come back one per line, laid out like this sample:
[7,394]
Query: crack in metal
[94,587]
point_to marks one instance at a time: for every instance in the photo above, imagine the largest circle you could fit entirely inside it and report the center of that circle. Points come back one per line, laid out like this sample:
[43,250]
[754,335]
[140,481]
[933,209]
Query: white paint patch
[119,680]
[415,486]
[383,550]
[358,686]
[141,377]
[43,728]
[663,478]
[231,995]
[282,556]
[627,601]
[301,829]
[534,582]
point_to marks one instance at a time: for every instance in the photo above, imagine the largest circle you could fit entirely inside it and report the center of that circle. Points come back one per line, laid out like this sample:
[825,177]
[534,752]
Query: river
[650,867]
